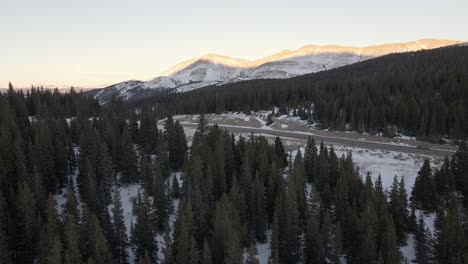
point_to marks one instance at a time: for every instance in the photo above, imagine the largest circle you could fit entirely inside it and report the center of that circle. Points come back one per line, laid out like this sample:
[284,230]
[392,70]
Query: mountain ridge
[213,69]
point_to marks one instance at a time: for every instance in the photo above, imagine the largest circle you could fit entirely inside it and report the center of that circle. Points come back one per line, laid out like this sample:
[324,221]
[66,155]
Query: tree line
[419,94]
[311,207]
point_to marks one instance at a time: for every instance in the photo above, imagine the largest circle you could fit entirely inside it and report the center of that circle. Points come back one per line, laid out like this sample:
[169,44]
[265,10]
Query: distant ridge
[213,69]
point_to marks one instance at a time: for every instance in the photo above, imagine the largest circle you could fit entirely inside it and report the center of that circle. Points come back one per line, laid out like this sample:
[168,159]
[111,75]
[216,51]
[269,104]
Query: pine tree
[143,229]
[451,241]
[148,135]
[274,243]
[167,251]
[49,235]
[398,208]
[95,244]
[145,259]
[389,244]
[128,164]
[460,169]
[206,254]
[44,157]
[403,202]
[175,188]
[5,252]
[72,236]
[202,125]
[280,152]
[423,242]
[71,205]
[55,253]
[27,226]
[182,240]
[194,253]
[119,245]
[314,251]
[251,255]
[160,199]
[424,194]
[226,238]
[288,217]
[259,214]
[443,179]
[310,159]
[177,144]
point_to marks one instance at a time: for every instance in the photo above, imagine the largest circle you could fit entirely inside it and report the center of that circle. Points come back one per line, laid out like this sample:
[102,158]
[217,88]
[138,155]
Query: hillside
[421,93]
[216,69]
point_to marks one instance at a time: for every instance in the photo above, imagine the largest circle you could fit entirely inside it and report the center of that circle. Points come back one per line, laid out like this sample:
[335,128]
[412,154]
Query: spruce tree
[143,229]
[251,255]
[423,242]
[424,194]
[27,226]
[95,244]
[147,174]
[119,245]
[206,254]
[451,241]
[460,169]
[148,134]
[72,238]
[5,252]
[167,251]
[280,152]
[127,159]
[175,188]
[160,199]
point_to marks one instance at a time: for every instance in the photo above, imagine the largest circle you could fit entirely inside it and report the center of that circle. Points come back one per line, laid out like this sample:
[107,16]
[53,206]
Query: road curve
[436,153]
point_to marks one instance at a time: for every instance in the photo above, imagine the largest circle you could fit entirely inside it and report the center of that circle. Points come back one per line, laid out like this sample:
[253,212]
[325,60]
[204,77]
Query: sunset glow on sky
[97,43]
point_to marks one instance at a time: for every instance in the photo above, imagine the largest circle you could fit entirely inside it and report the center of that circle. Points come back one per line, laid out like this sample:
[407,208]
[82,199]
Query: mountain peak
[215,69]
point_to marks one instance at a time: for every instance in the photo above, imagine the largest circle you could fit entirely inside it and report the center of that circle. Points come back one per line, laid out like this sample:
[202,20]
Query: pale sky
[94,43]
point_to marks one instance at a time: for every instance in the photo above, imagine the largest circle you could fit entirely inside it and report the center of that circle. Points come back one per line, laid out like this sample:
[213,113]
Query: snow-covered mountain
[215,69]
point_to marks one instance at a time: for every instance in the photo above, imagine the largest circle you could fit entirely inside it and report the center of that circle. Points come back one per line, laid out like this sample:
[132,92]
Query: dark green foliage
[128,163]
[279,148]
[451,245]
[160,199]
[206,254]
[233,193]
[460,170]
[423,243]
[251,257]
[424,194]
[176,143]
[72,236]
[44,157]
[143,230]
[148,134]
[175,188]
[398,207]
[27,226]
[95,245]
[119,245]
